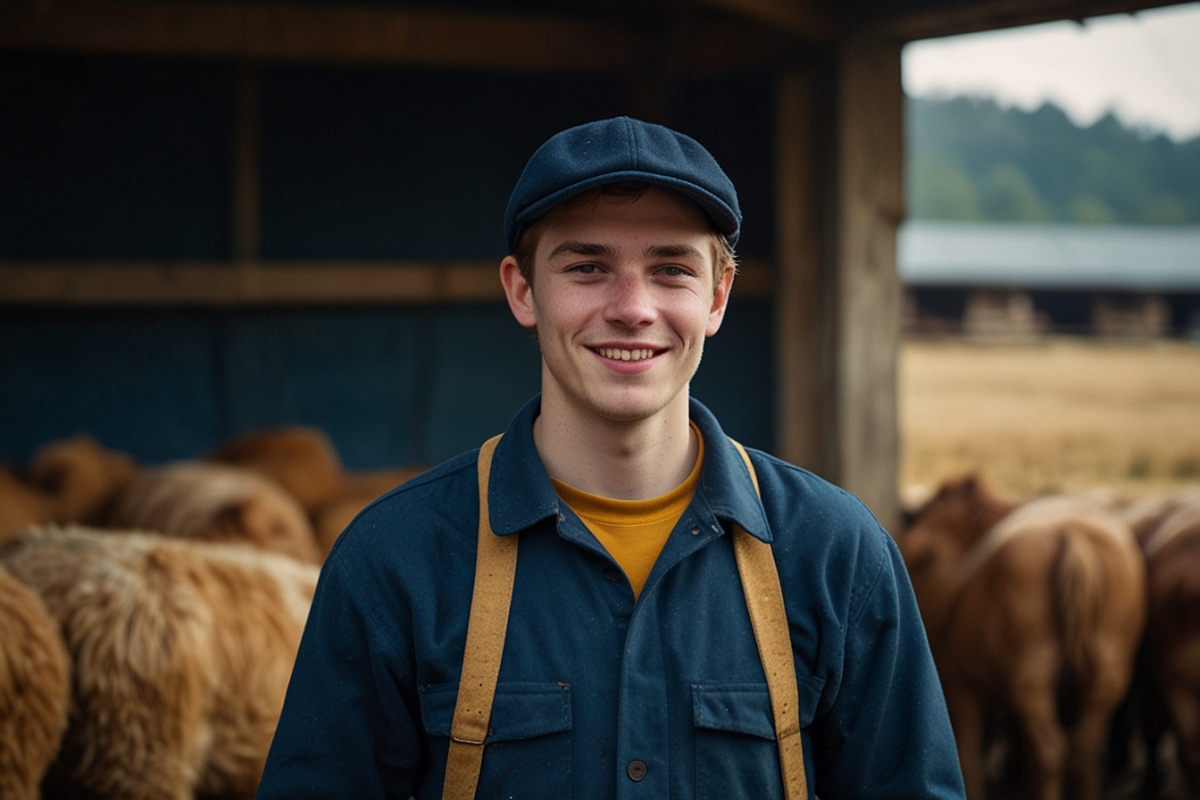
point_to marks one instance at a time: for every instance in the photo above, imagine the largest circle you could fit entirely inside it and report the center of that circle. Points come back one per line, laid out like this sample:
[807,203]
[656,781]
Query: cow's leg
[966,717]
[1184,707]
[1086,746]
[1035,703]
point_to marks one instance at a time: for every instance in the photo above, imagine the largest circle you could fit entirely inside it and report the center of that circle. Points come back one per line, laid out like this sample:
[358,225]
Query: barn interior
[222,216]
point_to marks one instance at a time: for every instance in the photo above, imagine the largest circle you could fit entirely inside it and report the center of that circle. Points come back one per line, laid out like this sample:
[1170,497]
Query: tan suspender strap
[768,618]
[495,567]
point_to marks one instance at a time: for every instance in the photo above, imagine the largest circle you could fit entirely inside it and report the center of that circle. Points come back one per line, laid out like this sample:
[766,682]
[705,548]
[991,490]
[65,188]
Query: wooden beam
[801,319]
[225,284]
[870,206]
[995,14]
[801,18]
[246,188]
[313,33]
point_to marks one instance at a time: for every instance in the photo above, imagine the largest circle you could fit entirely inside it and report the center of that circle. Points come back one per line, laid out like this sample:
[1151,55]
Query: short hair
[525,252]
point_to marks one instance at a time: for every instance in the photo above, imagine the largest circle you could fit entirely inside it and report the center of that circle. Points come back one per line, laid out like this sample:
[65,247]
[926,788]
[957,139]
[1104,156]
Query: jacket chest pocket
[527,753]
[736,753]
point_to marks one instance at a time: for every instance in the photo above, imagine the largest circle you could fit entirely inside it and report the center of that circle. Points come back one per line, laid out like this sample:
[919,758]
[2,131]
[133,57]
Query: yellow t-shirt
[634,531]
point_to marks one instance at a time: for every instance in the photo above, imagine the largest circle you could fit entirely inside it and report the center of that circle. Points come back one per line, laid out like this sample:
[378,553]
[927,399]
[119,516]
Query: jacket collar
[520,493]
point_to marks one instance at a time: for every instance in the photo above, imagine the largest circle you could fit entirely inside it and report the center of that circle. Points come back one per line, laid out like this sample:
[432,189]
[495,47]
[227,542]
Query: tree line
[970,159]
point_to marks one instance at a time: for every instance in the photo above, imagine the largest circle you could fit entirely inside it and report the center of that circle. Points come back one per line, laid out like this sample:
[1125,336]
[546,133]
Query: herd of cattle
[149,617]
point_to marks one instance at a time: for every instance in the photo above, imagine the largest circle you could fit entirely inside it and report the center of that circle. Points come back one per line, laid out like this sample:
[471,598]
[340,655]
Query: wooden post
[870,207]
[802,322]
[246,189]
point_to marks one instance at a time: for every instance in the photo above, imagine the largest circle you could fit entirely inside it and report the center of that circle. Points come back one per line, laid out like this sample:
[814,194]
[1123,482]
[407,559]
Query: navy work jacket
[600,696]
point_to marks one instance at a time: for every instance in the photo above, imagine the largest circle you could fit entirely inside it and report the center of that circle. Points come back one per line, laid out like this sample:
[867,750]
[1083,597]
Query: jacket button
[636,770]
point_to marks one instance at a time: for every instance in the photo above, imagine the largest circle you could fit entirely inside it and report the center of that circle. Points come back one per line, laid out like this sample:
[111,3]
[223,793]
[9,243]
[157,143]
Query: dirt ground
[1052,415]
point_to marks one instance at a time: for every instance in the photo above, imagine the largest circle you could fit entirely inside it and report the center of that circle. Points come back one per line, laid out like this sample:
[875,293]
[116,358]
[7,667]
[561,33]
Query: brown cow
[215,502]
[35,687]
[1172,548]
[1035,609]
[181,653]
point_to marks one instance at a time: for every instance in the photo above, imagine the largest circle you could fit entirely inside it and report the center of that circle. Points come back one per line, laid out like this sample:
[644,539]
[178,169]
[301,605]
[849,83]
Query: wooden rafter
[224,284]
[313,33]
[963,18]
[802,18]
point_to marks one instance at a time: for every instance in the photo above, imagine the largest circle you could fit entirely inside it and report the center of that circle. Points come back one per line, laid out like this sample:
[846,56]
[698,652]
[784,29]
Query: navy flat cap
[621,149]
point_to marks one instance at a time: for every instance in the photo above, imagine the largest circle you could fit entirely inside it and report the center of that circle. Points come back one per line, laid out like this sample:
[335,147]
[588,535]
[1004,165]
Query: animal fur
[181,653]
[215,502]
[1036,609]
[82,476]
[1172,551]
[301,460]
[22,505]
[35,684]
[305,462]
[358,490]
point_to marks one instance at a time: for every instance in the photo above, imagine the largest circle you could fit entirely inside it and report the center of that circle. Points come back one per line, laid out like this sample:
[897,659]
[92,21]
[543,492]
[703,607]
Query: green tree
[939,188]
[1039,165]
[1090,211]
[1007,194]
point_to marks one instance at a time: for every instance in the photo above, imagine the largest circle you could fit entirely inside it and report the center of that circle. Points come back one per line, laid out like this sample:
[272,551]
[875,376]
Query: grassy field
[1052,415]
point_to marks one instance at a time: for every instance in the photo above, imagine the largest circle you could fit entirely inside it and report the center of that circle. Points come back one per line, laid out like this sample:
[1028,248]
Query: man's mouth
[619,354]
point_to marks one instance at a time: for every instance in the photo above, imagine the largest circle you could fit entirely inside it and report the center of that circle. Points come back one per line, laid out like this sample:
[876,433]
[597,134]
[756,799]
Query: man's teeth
[625,355]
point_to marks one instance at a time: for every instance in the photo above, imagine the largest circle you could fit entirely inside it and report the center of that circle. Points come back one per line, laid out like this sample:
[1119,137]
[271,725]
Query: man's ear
[720,300]
[518,292]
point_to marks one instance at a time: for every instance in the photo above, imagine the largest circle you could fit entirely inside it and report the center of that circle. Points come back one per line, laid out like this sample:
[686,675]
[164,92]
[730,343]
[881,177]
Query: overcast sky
[1144,67]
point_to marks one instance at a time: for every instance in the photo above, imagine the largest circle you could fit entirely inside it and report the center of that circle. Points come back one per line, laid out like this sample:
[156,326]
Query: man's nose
[632,301]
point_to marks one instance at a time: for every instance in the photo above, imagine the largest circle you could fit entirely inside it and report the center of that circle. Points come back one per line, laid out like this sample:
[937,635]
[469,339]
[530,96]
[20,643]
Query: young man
[629,668]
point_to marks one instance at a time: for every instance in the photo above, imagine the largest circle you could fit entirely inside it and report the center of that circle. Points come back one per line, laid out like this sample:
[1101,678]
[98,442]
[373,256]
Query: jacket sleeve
[349,726]
[888,734]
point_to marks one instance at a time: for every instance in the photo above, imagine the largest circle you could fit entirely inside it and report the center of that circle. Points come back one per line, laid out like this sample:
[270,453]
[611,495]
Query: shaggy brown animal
[215,502]
[181,654]
[35,686]
[22,505]
[82,476]
[301,460]
[1037,610]
[305,462]
[358,490]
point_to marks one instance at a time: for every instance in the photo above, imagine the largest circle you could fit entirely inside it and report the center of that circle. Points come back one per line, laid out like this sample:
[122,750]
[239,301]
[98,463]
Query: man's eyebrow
[673,251]
[581,249]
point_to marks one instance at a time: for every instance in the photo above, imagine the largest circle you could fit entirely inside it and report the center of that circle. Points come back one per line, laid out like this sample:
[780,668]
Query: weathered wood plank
[802,18]
[870,207]
[211,284]
[802,321]
[973,17]
[246,188]
[312,33]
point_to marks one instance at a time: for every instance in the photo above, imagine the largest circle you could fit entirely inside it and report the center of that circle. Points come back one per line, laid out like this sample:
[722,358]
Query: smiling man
[629,652]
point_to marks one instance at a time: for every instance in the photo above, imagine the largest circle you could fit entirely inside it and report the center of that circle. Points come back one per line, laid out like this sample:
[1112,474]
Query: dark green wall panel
[392,163]
[114,158]
[140,383]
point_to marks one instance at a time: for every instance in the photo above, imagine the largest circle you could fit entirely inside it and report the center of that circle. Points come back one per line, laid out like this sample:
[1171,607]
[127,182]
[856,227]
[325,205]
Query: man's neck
[620,460]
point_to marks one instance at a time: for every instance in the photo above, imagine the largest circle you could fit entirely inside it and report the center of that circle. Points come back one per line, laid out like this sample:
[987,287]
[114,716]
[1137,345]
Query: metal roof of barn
[1049,256]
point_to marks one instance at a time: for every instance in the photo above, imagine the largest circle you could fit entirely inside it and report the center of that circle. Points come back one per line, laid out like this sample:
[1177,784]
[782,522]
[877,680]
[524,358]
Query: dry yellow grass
[1053,415]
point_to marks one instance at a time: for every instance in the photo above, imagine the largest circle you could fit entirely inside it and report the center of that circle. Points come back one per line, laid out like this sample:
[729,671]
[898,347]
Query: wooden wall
[193,247]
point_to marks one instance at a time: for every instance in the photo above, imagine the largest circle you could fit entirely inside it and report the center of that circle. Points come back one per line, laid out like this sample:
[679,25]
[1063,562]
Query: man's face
[624,299]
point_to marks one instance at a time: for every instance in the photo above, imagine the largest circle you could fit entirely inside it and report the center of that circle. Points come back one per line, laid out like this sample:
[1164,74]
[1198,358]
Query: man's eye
[673,271]
[585,269]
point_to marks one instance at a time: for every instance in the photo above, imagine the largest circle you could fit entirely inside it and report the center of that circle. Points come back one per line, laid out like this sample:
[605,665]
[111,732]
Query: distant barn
[1003,279]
